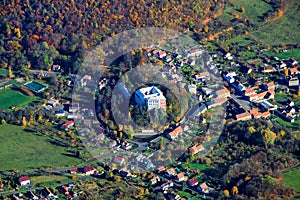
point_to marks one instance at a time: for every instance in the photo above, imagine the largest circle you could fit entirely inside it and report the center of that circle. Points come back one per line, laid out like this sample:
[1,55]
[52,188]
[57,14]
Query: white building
[152,97]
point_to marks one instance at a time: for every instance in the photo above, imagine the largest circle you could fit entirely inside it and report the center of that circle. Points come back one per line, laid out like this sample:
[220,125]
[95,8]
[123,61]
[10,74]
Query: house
[152,97]
[73,171]
[52,102]
[162,54]
[238,86]
[180,177]
[219,101]
[293,81]
[67,125]
[196,149]
[192,89]
[204,188]
[290,103]
[167,185]
[24,180]
[126,145]
[119,160]
[59,113]
[88,170]
[249,91]
[73,107]
[229,77]
[243,116]
[206,91]
[161,169]
[202,75]
[56,68]
[193,182]
[269,86]
[154,180]
[175,133]
[266,114]
[194,53]
[294,71]
[253,111]
[268,106]
[170,172]
[267,69]
[223,92]
[84,80]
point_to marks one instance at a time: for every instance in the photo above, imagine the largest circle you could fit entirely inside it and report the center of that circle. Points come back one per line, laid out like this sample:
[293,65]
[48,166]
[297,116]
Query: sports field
[10,97]
[25,151]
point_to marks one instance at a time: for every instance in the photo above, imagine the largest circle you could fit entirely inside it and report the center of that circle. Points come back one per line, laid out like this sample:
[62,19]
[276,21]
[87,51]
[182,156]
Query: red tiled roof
[220,100]
[253,111]
[176,131]
[88,168]
[193,181]
[195,149]
[293,70]
[257,115]
[271,84]
[243,115]
[23,178]
[74,170]
[161,168]
[180,175]
[223,91]
[266,114]
[249,90]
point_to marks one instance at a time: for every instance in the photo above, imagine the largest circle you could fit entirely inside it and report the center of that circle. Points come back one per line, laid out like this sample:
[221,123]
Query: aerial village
[244,96]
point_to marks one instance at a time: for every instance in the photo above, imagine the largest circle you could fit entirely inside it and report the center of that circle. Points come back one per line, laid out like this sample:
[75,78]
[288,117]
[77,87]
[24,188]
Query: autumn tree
[24,121]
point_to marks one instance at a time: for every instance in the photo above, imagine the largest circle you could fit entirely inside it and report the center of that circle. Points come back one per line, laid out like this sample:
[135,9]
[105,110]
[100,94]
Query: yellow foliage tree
[243,9]
[24,121]
[10,73]
[251,129]
[235,190]
[226,193]
[279,13]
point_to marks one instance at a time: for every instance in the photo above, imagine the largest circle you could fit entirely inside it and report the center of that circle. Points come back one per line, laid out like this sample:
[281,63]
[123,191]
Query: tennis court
[35,86]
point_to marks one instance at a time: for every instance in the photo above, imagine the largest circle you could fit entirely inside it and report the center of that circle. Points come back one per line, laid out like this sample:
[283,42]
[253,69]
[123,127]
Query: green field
[194,166]
[294,53]
[10,97]
[285,30]
[292,178]
[48,179]
[26,151]
[254,9]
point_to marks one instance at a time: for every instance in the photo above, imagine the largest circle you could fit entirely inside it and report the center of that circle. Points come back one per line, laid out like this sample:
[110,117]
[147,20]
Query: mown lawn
[10,97]
[292,178]
[25,151]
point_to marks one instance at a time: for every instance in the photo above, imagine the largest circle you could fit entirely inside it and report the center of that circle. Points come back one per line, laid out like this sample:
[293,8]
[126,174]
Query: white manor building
[152,97]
